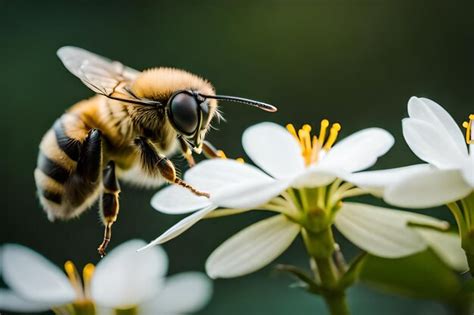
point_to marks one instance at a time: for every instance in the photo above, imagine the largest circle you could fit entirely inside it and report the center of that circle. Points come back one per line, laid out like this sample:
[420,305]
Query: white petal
[9,301]
[178,200]
[431,144]
[429,188]
[252,248]
[126,278]
[431,112]
[249,195]
[316,176]
[33,277]
[179,228]
[211,176]
[380,231]
[468,172]
[184,293]
[216,174]
[273,149]
[447,246]
[377,181]
[358,151]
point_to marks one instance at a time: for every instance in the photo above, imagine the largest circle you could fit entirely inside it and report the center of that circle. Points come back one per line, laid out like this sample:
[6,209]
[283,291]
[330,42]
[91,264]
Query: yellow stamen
[301,142]
[305,139]
[316,149]
[305,143]
[292,130]
[74,278]
[311,145]
[322,130]
[87,273]
[221,154]
[468,126]
[332,136]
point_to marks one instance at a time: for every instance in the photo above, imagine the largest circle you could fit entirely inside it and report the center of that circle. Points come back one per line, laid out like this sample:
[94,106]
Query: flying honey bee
[126,131]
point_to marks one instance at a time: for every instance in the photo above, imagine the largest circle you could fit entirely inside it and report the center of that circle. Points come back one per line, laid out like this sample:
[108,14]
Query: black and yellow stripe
[61,150]
[52,169]
[70,146]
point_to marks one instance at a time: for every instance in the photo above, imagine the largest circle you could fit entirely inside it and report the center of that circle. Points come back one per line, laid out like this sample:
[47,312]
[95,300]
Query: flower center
[468,126]
[82,288]
[314,147]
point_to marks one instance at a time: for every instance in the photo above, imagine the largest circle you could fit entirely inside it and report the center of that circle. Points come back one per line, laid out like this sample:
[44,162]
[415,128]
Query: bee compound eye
[205,112]
[185,113]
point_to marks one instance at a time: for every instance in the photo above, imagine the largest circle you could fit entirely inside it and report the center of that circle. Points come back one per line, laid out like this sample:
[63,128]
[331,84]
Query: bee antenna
[260,105]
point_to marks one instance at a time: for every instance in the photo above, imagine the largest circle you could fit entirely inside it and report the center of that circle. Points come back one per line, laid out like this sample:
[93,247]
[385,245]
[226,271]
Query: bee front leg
[187,153]
[109,204]
[152,161]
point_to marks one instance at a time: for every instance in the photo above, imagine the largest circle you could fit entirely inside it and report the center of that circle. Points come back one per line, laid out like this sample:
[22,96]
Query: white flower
[297,165]
[124,279]
[434,137]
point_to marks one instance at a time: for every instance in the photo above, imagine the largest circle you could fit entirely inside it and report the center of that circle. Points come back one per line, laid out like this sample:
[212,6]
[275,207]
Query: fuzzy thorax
[161,83]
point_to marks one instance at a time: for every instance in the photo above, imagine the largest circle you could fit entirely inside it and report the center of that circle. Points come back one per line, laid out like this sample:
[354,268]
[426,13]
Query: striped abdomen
[62,192]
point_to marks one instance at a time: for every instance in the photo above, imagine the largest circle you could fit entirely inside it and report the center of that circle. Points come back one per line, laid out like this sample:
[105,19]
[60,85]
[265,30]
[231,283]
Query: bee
[126,131]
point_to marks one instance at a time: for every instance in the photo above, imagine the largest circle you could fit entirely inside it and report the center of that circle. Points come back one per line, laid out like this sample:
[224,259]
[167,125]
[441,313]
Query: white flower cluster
[302,178]
[123,280]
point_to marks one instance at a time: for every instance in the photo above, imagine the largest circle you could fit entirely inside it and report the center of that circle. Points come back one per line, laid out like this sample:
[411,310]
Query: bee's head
[190,114]
[179,95]
[189,101]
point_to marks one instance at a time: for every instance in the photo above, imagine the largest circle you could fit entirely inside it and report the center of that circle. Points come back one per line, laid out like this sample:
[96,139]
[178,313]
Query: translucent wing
[101,75]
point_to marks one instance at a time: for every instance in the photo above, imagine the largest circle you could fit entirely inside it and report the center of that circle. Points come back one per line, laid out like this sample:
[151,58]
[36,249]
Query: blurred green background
[356,62]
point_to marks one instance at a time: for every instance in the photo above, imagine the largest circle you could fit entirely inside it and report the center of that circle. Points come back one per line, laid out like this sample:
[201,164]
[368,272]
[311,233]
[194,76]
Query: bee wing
[100,74]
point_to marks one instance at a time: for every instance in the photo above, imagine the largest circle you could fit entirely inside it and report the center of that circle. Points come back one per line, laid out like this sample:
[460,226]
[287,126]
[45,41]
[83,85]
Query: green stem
[304,198]
[467,213]
[320,247]
[84,308]
[128,311]
[337,304]
[321,197]
[457,213]
[335,299]
[466,230]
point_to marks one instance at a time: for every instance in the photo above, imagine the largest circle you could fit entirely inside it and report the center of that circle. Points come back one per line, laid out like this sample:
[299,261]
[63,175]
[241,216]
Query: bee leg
[151,160]
[109,203]
[85,180]
[211,152]
[90,160]
[187,153]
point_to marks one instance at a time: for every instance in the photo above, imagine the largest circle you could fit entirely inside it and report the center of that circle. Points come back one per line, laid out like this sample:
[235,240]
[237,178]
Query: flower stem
[128,311]
[335,299]
[84,308]
[320,247]
[466,228]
